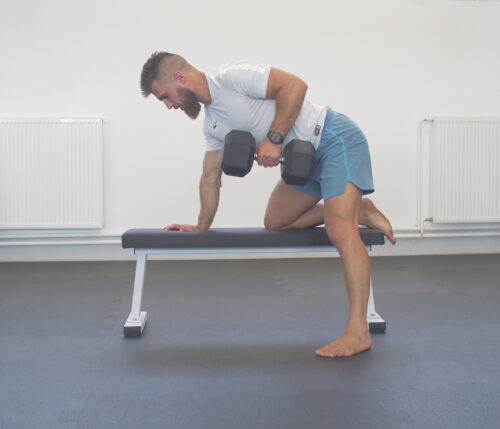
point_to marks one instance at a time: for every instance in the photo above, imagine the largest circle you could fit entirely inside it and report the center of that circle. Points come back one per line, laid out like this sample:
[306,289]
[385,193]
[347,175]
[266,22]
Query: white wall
[387,64]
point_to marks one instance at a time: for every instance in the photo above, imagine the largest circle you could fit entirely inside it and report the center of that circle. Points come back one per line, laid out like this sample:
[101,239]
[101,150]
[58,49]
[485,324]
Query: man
[271,104]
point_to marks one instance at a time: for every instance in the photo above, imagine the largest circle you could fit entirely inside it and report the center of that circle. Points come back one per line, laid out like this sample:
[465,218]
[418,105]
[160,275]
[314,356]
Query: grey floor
[230,344]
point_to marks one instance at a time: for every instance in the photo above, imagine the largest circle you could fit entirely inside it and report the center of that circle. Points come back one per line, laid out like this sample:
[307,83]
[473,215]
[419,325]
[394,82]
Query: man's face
[177,97]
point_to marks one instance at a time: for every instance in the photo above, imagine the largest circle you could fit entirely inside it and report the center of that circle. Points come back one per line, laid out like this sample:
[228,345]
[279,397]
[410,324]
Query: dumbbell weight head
[238,154]
[300,162]
[298,159]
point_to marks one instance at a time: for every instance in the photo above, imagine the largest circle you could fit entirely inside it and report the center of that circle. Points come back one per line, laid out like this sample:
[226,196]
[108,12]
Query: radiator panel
[51,173]
[464,170]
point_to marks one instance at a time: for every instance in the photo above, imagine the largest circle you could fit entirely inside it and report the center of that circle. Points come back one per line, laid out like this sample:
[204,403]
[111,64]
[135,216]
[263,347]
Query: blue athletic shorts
[342,156]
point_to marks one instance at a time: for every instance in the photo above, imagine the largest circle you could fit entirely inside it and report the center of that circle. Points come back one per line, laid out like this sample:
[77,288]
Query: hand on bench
[182,228]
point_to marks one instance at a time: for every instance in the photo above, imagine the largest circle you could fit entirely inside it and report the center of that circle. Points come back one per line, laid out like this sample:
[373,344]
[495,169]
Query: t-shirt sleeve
[213,144]
[246,78]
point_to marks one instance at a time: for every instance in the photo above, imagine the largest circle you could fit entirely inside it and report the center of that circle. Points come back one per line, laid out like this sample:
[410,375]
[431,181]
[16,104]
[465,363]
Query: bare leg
[307,212]
[289,208]
[341,221]
[372,217]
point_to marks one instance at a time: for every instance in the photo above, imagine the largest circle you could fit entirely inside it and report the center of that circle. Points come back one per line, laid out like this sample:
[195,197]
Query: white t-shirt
[238,92]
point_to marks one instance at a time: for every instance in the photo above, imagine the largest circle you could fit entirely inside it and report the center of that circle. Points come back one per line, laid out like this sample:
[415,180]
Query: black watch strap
[275,137]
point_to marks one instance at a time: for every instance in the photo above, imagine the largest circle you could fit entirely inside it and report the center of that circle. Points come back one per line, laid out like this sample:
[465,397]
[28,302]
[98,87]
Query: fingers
[176,227]
[182,228]
[268,154]
[266,161]
[173,227]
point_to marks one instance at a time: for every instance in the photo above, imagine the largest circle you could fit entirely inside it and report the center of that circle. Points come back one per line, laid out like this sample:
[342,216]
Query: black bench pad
[236,238]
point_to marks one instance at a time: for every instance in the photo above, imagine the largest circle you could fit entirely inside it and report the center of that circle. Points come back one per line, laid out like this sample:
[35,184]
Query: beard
[190,105]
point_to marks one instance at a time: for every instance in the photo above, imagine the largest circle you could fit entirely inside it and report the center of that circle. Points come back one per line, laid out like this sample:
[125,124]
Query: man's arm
[209,189]
[289,92]
[209,194]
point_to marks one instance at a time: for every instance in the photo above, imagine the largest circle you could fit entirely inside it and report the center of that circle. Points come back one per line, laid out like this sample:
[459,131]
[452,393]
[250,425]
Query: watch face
[275,137]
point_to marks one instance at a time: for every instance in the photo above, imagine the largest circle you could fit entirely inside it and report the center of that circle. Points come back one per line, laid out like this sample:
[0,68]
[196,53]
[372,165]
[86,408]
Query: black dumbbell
[298,158]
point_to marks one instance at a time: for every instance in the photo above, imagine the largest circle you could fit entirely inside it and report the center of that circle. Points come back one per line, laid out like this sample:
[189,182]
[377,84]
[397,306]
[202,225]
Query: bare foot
[350,343]
[372,217]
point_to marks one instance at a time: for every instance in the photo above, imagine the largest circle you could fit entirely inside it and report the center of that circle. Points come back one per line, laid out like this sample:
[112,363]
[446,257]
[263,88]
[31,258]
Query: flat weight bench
[230,241]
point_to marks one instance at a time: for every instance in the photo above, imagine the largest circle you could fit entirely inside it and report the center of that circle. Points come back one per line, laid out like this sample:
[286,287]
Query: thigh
[344,156]
[343,210]
[286,204]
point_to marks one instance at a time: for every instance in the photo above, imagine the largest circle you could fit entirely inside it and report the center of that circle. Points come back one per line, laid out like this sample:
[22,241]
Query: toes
[334,352]
[329,353]
[325,355]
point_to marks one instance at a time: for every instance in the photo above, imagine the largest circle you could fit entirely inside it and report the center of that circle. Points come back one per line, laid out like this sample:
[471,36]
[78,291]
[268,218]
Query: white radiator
[51,173]
[464,179]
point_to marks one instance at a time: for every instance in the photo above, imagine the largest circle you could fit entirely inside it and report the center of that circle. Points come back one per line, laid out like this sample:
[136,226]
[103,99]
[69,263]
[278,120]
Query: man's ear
[180,77]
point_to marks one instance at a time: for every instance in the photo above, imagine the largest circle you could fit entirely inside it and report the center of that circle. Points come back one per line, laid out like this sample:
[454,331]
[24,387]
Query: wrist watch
[275,137]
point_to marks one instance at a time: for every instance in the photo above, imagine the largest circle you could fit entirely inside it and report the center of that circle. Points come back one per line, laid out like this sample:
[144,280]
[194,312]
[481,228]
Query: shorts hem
[364,189]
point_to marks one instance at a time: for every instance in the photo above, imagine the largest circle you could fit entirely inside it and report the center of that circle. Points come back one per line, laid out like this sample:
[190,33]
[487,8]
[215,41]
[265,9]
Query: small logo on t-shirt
[215,124]
[317,130]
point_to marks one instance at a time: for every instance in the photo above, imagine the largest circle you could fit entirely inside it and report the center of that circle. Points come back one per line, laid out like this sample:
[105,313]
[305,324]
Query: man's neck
[201,89]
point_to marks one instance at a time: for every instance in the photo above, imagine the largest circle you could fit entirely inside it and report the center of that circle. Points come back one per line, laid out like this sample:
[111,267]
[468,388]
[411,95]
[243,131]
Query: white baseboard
[109,249]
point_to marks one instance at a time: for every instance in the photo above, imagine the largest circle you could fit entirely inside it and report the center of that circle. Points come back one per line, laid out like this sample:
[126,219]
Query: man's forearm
[288,105]
[209,199]
[289,100]
[289,92]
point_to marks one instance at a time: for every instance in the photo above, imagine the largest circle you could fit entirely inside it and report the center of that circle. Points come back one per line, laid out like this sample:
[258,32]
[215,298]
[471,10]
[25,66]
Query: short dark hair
[150,71]
[161,66]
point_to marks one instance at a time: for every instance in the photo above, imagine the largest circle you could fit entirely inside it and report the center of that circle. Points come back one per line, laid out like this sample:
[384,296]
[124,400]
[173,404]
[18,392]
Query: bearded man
[271,104]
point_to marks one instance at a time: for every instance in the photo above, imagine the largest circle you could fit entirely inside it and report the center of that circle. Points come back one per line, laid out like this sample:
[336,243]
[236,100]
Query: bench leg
[137,319]
[375,323]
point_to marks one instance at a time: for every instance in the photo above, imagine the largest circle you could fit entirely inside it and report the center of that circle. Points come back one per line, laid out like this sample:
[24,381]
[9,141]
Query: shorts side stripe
[343,151]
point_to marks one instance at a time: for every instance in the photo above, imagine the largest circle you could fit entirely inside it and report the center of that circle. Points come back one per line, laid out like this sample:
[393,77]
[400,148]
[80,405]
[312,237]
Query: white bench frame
[136,321]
